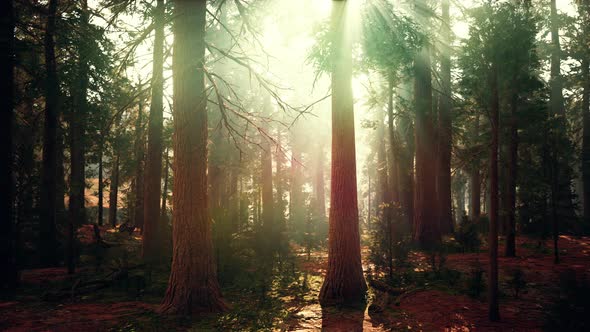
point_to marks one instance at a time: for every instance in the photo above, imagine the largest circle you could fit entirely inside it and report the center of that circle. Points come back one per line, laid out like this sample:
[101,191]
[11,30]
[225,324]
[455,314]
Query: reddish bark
[193,285]
[153,168]
[445,129]
[344,281]
[426,223]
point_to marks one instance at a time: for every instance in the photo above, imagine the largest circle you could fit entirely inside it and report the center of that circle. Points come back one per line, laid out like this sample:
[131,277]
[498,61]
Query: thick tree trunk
[193,285]
[344,281]
[445,129]
[153,167]
[100,182]
[475,204]
[426,224]
[493,310]
[114,191]
[511,176]
[47,201]
[8,277]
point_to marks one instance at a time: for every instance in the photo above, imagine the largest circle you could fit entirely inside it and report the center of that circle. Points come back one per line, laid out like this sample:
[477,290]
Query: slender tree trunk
[164,209]
[100,182]
[511,176]
[493,312]
[60,177]
[445,128]
[393,146]
[25,172]
[407,171]
[153,167]
[193,285]
[268,213]
[114,191]
[8,277]
[586,137]
[139,169]
[561,175]
[48,233]
[344,281]
[475,210]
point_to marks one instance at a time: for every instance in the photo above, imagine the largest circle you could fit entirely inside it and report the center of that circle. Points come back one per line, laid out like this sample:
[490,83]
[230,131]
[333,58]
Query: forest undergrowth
[447,295]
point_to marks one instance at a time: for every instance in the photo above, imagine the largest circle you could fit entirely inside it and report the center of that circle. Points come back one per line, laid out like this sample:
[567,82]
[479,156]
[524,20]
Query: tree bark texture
[344,281]
[193,285]
[153,167]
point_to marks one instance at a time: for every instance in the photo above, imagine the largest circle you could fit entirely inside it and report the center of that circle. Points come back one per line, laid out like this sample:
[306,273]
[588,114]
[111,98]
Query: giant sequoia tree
[193,285]
[344,281]
[426,221]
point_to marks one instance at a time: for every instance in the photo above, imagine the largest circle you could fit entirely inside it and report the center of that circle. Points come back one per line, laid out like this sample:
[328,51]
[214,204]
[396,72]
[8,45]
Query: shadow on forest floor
[289,300]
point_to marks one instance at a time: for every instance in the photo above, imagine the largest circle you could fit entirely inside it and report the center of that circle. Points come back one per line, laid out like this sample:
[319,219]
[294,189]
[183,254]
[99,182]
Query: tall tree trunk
[584,9]
[268,213]
[114,191]
[393,146]
[586,140]
[297,214]
[344,281]
[153,167]
[493,310]
[100,182]
[426,223]
[139,169]
[511,176]
[25,173]
[561,176]
[8,277]
[445,129]
[475,209]
[60,177]
[407,171]
[47,201]
[76,211]
[281,205]
[193,285]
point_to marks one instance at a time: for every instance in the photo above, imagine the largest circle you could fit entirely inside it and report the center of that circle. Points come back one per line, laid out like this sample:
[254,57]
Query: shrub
[467,235]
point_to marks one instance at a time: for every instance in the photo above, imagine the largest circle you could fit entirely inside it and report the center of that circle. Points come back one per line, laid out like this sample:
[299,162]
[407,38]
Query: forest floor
[288,302]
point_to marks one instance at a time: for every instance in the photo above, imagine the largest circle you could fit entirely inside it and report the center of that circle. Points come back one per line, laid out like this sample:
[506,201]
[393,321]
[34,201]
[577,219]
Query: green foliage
[390,243]
[475,284]
[516,281]
[467,235]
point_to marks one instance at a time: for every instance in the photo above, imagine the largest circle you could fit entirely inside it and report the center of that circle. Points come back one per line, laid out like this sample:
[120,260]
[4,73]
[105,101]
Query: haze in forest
[342,165]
